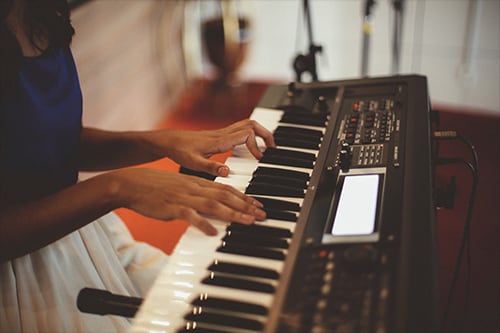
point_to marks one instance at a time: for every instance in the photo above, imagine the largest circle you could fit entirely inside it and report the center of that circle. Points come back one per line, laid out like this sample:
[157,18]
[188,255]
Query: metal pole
[367,30]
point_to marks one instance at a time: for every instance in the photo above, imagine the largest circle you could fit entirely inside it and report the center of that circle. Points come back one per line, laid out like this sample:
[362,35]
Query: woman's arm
[105,150]
[161,195]
[25,227]
[30,225]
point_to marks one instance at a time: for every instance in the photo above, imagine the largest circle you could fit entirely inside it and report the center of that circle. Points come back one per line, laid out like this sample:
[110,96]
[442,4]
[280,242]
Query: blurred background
[136,56]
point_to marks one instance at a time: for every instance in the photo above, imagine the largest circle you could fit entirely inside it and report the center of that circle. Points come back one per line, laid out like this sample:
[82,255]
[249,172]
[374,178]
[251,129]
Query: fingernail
[260,214]
[223,170]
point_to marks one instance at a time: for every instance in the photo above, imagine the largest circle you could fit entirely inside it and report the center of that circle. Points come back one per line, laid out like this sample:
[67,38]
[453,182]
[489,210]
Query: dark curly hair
[44,20]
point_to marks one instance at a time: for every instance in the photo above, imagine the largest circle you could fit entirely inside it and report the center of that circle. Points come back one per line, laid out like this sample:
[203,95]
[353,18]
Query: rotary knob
[322,104]
[345,157]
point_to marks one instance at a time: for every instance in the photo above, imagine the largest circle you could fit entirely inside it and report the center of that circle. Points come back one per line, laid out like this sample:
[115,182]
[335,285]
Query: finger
[213,207]
[243,136]
[252,145]
[251,132]
[264,133]
[212,167]
[222,170]
[246,205]
[257,128]
[232,199]
[190,215]
[222,187]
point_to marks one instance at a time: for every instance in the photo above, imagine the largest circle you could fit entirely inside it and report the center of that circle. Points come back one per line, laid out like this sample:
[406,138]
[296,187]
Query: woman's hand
[192,149]
[166,196]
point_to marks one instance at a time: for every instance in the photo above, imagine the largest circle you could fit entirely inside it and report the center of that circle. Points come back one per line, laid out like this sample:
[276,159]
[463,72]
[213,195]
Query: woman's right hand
[167,196]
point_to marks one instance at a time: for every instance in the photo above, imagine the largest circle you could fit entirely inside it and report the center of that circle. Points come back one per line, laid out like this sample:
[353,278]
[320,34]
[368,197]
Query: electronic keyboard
[349,241]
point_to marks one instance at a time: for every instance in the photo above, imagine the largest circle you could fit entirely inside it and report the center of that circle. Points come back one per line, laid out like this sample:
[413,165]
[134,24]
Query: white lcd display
[357,207]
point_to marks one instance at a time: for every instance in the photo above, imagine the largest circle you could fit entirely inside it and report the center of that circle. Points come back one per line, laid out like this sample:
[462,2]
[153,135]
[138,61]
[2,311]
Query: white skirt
[38,291]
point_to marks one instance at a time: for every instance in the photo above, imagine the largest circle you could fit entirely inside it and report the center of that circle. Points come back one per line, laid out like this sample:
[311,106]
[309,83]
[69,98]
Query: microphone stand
[367,30]
[307,63]
[396,40]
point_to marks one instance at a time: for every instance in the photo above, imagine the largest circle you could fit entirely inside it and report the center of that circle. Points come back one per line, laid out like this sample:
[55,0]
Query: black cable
[465,242]
[464,246]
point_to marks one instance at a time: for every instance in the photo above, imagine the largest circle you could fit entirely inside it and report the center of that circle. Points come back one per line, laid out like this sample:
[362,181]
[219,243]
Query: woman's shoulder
[54,62]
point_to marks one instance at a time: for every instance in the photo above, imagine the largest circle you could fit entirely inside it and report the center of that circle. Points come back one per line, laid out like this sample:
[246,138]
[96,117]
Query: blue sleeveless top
[40,126]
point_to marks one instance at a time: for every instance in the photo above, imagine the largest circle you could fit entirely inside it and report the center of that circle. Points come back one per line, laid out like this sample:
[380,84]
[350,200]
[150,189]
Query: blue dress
[39,135]
[40,125]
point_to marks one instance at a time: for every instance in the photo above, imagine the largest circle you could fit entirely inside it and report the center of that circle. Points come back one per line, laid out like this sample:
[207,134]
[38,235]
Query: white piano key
[268,118]
[310,151]
[277,224]
[241,166]
[240,182]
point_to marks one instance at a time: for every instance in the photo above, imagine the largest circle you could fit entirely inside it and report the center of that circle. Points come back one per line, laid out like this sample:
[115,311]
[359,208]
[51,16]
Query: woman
[58,235]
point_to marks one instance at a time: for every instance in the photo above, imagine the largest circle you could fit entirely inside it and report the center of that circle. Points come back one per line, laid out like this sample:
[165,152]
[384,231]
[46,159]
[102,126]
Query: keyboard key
[240,269]
[230,305]
[215,279]
[277,204]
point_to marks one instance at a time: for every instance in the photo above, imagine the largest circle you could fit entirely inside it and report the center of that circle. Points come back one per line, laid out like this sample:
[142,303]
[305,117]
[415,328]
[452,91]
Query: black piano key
[304,111]
[288,157]
[274,190]
[303,119]
[245,270]
[200,174]
[251,251]
[280,215]
[198,329]
[220,280]
[226,320]
[277,180]
[293,108]
[280,160]
[295,143]
[312,142]
[258,229]
[300,132]
[260,241]
[278,172]
[300,155]
[278,204]
[291,135]
[230,305]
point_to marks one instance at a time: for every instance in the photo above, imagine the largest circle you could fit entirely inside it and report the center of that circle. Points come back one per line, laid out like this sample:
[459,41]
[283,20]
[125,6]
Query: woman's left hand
[192,149]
